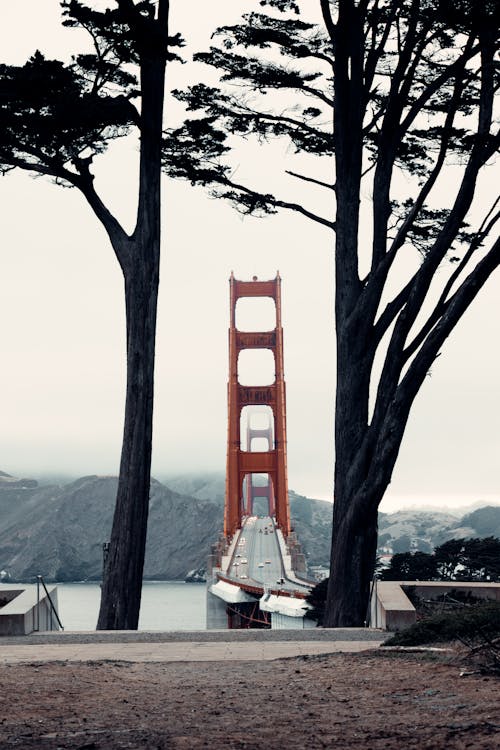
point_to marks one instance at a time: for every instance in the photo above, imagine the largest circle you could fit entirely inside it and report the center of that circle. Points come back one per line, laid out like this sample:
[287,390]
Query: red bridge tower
[244,463]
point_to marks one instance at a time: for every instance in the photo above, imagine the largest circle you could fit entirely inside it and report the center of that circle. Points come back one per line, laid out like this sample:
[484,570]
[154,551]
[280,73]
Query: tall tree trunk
[354,532]
[354,535]
[122,581]
[122,578]
[354,547]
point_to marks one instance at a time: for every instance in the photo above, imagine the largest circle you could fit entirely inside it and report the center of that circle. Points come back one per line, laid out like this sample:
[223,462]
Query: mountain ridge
[58,530]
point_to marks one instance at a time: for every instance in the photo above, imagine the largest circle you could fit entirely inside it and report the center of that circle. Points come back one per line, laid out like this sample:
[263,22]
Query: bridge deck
[257,560]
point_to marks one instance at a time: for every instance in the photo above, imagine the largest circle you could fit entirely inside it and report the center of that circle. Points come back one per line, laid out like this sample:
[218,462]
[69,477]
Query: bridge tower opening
[259,496]
[243,462]
[259,490]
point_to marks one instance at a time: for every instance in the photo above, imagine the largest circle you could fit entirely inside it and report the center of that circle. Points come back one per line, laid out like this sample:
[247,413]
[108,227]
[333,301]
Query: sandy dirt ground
[368,700]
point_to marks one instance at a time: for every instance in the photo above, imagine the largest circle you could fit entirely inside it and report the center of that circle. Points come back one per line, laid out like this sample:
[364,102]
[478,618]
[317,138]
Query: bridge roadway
[257,559]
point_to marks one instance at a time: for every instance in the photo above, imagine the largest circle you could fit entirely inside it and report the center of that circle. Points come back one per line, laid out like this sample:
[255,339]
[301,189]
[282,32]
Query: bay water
[165,605]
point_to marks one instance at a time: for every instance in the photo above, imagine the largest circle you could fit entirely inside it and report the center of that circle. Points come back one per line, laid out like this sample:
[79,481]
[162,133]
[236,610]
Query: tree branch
[327,17]
[417,288]
[252,115]
[330,186]
[84,181]
[391,311]
[456,307]
[431,180]
[375,53]
[469,51]
[443,301]
[384,435]
[267,198]
[390,136]
[318,94]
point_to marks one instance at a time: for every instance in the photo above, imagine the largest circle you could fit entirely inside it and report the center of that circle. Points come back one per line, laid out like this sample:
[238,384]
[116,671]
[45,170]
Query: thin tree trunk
[122,580]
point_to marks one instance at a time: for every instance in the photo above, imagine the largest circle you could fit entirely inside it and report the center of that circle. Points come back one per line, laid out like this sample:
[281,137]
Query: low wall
[390,608]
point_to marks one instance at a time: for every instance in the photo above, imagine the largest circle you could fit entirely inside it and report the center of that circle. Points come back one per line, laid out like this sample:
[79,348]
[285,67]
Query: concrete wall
[390,608]
[21,615]
[433,589]
[283,622]
[216,611]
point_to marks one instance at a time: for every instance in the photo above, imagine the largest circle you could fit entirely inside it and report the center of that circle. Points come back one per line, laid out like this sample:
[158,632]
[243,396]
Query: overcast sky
[62,321]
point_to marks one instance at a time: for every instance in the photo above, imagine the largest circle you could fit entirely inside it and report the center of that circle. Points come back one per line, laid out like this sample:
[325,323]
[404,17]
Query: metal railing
[52,607]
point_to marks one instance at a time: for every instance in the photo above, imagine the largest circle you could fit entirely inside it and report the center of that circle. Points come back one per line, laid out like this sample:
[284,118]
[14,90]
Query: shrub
[473,624]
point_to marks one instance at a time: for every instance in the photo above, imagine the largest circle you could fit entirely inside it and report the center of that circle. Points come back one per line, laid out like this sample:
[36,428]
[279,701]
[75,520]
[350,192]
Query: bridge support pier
[216,612]
[298,559]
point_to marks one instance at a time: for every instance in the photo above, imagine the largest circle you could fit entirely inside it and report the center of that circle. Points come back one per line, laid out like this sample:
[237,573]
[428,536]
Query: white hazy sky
[62,320]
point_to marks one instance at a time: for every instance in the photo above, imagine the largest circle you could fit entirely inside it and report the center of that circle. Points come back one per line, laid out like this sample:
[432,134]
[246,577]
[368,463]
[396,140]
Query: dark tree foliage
[469,559]
[316,599]
[388,106]
[449,558]
[455,560]
[410,566]
[55,118]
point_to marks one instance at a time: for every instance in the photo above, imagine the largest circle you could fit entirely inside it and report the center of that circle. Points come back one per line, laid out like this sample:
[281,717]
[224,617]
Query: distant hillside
[208,486]
[58,530]
[9,482]
[421,530]
[401,531]
[311,519]
[484,521]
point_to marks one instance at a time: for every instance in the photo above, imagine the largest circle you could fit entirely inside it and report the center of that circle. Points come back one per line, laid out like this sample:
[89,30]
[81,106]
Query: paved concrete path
[155,647]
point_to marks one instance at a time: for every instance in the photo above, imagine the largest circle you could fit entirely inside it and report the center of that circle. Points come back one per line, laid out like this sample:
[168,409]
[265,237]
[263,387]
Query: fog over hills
[58,530]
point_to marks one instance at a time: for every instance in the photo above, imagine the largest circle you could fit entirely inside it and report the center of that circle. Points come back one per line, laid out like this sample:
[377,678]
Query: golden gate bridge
[257,568]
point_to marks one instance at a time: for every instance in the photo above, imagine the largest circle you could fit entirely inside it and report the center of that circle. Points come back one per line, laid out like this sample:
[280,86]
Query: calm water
[165,605]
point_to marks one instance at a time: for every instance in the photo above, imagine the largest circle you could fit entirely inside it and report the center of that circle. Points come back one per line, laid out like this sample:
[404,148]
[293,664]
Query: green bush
[471,624]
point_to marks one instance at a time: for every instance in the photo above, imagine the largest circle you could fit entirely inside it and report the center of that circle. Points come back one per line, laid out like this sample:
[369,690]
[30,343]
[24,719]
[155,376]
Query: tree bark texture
[140,259]
[122,582]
